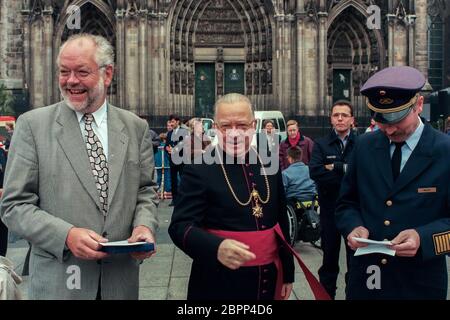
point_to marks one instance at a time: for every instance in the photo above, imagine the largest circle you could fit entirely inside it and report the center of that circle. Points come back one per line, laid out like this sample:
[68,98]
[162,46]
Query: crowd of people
[68,190]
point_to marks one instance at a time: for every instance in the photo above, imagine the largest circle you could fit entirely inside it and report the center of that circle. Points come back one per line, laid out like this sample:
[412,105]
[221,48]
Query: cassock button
[250,174]
[389,203]
[387,223]
[266,270]
[264,291]
[383,261]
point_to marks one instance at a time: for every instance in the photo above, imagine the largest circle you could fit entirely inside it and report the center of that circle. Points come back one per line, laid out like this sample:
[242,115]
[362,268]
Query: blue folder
[146,247]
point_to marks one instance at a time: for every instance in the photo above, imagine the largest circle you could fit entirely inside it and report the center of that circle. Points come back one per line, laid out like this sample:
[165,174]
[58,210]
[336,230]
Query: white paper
[385,243]
[123,243]
[374,247]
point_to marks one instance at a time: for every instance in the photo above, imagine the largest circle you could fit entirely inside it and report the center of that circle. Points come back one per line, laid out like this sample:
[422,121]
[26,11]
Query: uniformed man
[397,188]
[227,214]
[328,165]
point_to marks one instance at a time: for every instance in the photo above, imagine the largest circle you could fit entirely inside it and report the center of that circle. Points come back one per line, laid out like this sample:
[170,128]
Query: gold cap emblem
[385,101]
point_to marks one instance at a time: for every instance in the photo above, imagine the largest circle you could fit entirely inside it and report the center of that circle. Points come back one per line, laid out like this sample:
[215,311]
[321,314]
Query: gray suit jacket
[49,188]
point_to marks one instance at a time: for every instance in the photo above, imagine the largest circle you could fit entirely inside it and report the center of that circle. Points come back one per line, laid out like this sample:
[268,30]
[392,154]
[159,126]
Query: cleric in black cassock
[218,220]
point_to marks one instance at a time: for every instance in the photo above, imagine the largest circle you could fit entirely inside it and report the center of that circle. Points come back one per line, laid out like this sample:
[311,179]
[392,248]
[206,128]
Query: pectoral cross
[257,209]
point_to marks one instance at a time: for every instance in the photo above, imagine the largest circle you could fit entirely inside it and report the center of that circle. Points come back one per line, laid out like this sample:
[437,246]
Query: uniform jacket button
[389,203]
[387,223]
[384,261]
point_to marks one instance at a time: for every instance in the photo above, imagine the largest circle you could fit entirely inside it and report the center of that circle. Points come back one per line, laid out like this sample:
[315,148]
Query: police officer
[397,188]
[328,164]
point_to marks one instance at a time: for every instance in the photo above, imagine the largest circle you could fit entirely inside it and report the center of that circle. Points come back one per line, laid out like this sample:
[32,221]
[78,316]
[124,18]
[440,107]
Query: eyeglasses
[343,115]
[79,74]
[238,126]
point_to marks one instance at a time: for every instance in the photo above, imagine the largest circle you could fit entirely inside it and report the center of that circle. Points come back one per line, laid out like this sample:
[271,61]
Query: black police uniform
[418,199]
[330,150]
[176,168]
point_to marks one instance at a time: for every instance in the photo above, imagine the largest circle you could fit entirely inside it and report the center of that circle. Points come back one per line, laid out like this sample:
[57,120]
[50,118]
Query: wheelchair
[303,222]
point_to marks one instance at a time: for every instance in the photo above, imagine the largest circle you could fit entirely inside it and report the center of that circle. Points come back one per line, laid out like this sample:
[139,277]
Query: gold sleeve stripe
[442,243]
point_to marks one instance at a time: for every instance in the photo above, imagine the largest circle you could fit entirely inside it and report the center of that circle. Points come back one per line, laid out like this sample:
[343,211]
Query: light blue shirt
[345,140]
[297,182]
[99,125]
[410,144]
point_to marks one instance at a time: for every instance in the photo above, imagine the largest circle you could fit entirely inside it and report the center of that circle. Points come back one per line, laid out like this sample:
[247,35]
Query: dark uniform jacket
[419,199]
[205,202]
[327,150]
[176,142]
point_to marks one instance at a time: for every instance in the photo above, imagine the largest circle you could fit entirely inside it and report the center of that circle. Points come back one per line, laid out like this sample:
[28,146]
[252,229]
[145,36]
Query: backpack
[309,225]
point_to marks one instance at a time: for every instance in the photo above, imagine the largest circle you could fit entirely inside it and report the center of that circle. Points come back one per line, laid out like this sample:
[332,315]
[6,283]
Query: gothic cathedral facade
[178,56]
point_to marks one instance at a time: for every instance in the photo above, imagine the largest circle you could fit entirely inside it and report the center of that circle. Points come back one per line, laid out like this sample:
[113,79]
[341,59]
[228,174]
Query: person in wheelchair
[300,189]
[298,185]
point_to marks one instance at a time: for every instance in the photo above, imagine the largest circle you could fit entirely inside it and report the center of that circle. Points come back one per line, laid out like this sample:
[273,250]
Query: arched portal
[217,47]
[354,53]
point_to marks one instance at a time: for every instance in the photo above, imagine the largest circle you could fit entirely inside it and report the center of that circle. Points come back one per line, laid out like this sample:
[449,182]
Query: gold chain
[251,193]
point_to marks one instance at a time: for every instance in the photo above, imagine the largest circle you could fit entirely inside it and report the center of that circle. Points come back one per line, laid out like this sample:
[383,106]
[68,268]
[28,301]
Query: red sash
[264,244]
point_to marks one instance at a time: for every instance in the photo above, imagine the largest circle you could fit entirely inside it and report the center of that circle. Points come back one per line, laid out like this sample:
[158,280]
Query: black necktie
[397,159]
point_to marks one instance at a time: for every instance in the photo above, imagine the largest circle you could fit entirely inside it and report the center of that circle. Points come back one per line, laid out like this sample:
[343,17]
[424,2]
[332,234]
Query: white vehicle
[208,127]
[277,118]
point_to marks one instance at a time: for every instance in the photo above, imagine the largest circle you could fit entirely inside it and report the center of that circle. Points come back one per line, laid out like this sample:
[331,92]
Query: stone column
[26,49]
[3,39]
[288,65]
[48,59]
[310,70]
[391,26]
[143,54]
[164,61]
[279,84]
[151,79]
[400,44]
[120,57]
[38,58]
[421,37]
[132,63]
[323,48]
[299,107]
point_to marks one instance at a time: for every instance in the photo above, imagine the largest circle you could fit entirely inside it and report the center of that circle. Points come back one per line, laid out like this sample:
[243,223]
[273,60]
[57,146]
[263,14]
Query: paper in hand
[374,247]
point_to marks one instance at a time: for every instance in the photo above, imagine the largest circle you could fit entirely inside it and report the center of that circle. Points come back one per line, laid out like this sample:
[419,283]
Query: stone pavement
[165,276]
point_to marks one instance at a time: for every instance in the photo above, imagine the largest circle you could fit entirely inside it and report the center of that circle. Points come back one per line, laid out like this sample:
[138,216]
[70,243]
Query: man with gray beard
[79,174]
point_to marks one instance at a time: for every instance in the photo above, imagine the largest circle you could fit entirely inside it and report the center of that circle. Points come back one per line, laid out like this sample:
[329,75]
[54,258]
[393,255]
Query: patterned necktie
[397,159]
[98,162]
